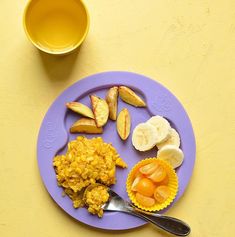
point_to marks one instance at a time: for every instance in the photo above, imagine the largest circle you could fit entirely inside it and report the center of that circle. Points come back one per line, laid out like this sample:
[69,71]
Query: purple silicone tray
[54,136]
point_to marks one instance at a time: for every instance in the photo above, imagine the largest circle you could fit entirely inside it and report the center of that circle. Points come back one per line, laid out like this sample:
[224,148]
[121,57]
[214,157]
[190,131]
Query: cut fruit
[144,137]
[149,168]
[145,187]
[159,174]
[86,125]
[137,174]
[135,183]
[80,109]
[130,97]
[124,124]
[162,193]
[174,139]
[100,109]
[172,154]
[140,191]
[144,201]
[112,101]
[165,181]
[162,128]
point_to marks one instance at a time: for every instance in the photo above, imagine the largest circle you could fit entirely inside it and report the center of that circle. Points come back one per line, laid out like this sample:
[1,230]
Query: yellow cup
[56,26]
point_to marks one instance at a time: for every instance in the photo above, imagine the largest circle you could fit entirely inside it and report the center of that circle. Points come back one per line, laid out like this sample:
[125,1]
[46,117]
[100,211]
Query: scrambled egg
[95,198]
[86,162]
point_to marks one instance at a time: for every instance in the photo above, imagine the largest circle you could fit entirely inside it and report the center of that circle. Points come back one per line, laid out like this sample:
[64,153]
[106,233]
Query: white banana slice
[171,154]
[144,137]
[174,139]
[162,128]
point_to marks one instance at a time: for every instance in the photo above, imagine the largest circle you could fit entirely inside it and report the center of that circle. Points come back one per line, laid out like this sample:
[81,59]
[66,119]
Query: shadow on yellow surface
[58,68]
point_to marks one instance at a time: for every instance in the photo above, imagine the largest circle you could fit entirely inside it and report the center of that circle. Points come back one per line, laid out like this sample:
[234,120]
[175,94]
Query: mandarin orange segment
[135,183]
[145,187]
[159,174]
[144,201]
[138,174]
[165,181]
[149,168]
[161,193]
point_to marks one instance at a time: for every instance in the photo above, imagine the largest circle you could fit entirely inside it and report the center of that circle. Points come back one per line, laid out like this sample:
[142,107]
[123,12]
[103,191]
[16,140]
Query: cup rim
[46,50]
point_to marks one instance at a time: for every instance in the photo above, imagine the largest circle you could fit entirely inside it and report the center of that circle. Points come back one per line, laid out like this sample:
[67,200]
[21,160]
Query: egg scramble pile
[87,161]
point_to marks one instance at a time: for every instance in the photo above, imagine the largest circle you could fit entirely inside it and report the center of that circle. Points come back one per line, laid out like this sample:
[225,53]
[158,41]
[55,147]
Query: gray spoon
[170,224]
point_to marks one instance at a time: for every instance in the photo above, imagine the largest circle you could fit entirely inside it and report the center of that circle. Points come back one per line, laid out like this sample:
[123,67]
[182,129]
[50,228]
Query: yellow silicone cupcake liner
[173,184]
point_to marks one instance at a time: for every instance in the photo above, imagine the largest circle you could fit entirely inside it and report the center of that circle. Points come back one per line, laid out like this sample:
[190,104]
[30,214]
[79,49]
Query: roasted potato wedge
[85,125]
[100,109]
[124,124]
[130,97]
[80,109]
[112,101]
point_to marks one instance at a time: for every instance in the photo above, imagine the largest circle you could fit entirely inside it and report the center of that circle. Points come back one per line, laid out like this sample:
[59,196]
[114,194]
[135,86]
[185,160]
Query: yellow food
[162,193]
[149,168]
[145,201]
[162,128]
[136,182]
[85,125]
[159,174]
[95,198]
[86,162]
[172,154]
[130,97]
[145,187]
[112,100]
[124,124]
[100,109]
[174,139]
[121,163]
[152,184]
[80,109]
[144,137]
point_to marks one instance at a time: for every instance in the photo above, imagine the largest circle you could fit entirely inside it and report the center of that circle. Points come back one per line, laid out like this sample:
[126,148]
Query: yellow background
[187,45]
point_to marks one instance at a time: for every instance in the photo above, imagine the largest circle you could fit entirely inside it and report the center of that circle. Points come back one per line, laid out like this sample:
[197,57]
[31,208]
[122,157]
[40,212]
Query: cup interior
[56,26]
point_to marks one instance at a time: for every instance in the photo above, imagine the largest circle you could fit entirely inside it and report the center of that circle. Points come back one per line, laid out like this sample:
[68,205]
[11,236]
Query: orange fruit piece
[135,182]
[161,193]
[144,201]
[145,187]
[159,174]
[149,168]
[137,174]
[165,181]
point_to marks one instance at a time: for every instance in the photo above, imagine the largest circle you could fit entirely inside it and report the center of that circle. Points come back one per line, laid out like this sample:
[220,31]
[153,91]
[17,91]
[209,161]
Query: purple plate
[54,135]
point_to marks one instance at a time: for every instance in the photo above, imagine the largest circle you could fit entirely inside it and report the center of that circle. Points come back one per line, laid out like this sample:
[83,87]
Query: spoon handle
[167,223]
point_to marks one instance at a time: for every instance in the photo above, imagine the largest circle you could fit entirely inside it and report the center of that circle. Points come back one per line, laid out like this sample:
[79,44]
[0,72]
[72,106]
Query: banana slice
[144,137]
[174,139]
[162,128]
[171,154]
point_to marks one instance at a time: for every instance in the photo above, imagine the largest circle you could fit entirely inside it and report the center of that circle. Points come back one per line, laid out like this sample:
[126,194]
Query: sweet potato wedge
[85,125]
[100,109]
[80,109]
[130,97]
[112,101]
[124,124]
